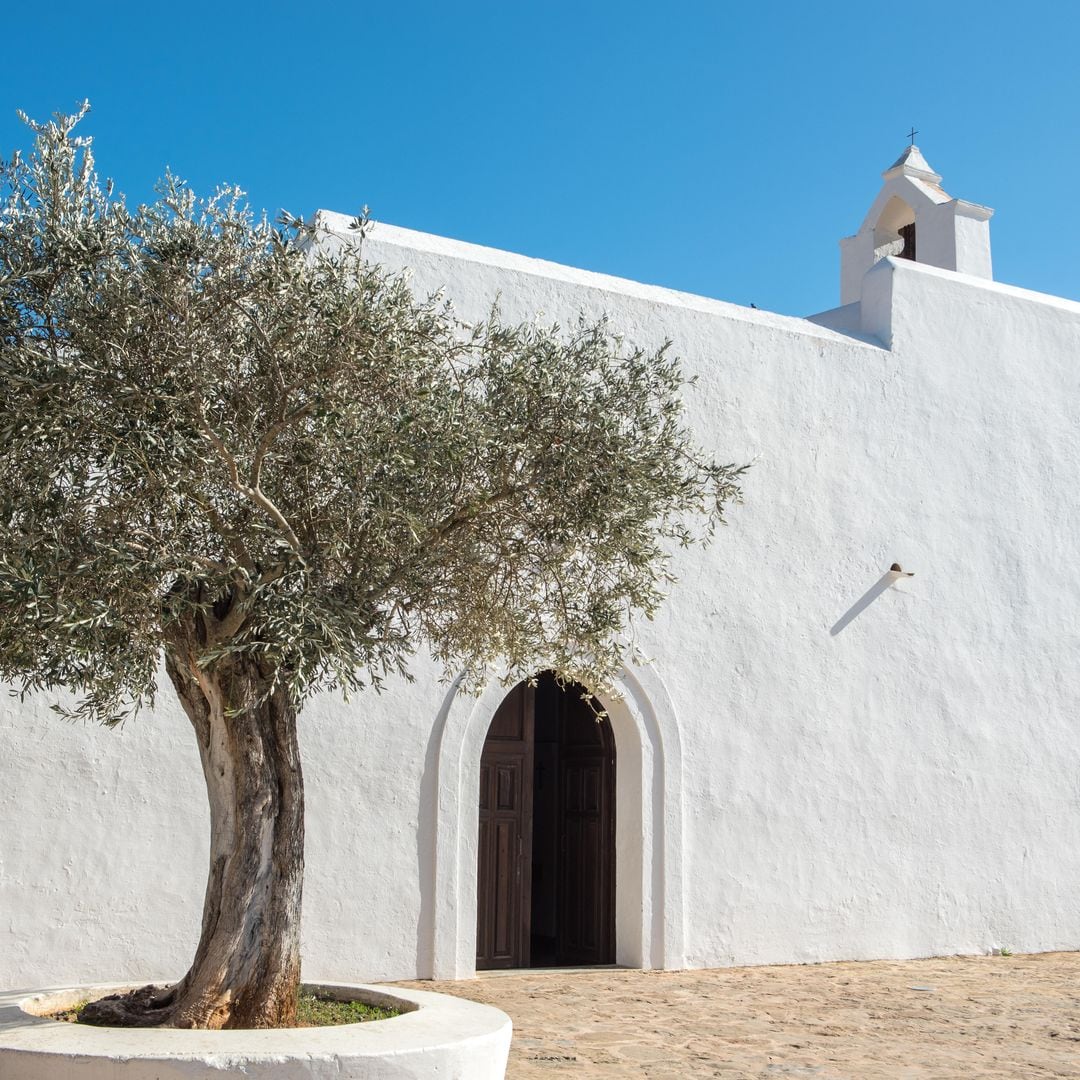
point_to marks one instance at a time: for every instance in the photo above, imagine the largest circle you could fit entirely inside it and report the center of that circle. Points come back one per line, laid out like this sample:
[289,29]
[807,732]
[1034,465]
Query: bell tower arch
[914,218]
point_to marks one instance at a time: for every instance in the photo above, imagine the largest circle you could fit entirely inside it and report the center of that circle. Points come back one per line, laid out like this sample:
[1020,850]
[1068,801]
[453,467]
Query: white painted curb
[440,1036]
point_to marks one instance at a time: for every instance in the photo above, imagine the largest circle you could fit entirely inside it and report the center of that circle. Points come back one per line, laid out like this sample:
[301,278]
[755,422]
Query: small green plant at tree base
[312,1011]
[315,1011]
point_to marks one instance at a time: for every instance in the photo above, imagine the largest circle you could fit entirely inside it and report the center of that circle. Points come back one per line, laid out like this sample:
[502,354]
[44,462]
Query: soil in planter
[312,1011]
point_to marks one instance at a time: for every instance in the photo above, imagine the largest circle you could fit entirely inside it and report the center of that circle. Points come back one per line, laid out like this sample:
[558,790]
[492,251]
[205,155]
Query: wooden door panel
[508,786]
[587,827]
[505,835]
[591,783]
[507,906]
[485,787]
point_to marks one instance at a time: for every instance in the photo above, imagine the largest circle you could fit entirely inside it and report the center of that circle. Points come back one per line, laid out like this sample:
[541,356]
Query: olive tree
[234,450]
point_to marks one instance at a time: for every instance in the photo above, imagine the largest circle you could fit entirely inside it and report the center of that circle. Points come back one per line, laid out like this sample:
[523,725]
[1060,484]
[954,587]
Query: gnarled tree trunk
[246,971]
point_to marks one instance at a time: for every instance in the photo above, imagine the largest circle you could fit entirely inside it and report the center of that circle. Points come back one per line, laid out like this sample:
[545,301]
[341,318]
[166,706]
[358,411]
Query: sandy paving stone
[1015,1017]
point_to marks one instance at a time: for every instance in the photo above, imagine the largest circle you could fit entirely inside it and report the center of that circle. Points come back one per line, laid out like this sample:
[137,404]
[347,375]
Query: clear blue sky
[714,147]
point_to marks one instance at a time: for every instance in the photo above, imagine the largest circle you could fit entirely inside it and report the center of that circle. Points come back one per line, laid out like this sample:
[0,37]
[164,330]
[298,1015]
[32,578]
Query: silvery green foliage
[211,421]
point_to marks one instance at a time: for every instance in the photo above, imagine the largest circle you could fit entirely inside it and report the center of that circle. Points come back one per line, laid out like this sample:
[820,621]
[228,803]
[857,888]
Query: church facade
[856,734]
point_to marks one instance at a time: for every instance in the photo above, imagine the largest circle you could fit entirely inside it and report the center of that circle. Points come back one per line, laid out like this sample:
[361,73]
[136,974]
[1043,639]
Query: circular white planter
[438,1036]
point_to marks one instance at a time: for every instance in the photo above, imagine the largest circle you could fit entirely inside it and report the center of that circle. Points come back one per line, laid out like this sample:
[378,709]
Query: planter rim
[432,1021]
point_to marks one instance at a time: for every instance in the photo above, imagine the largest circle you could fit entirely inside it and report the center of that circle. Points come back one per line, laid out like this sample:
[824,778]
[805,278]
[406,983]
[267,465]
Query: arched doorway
[649,870]
[546,841]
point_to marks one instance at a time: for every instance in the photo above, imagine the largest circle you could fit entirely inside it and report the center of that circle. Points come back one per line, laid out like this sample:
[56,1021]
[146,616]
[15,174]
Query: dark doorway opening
[907,234]
[546,851]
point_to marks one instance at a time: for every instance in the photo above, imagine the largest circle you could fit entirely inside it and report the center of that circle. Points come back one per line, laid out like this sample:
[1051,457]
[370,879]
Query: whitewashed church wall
[103,845]
[907,785]
[893,781]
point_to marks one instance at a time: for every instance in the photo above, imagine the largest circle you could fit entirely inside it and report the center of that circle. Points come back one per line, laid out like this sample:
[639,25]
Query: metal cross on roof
[911,134]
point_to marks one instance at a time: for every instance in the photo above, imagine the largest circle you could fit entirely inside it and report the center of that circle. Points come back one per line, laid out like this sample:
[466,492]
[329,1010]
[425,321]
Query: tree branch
[271,433]
[449,525]
[254,494]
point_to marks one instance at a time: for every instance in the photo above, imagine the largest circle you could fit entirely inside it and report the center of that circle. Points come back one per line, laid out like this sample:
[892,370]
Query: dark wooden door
[504,856]
[586,926]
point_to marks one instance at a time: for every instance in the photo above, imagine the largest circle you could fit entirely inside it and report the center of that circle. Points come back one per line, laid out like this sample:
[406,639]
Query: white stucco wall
[900,780]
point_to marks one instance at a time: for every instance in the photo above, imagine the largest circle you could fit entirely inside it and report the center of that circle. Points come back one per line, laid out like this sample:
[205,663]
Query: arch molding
[649,875]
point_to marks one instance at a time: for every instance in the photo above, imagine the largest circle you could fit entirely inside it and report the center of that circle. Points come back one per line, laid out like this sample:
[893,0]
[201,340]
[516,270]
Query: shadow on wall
[864,601]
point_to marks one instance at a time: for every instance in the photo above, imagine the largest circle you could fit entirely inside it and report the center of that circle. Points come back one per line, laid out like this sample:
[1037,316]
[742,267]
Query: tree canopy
[208,416]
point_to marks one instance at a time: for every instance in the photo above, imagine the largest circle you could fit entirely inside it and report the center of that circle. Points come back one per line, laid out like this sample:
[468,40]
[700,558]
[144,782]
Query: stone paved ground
[1016,1017]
